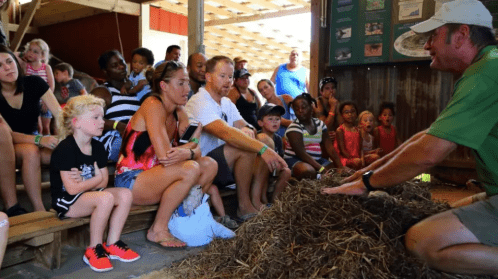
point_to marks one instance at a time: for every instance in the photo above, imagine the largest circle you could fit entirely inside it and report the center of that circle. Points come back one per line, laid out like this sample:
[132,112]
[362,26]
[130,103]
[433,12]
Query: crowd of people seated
[137,120]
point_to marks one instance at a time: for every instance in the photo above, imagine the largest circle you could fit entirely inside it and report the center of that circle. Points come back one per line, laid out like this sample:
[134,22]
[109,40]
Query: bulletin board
[378,31]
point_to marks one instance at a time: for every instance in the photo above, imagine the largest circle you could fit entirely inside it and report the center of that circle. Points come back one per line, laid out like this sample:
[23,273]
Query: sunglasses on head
[169,65]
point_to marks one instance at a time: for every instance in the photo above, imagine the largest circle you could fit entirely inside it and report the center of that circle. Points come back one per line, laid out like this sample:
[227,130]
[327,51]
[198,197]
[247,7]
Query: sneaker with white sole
[121,251]
[96,257]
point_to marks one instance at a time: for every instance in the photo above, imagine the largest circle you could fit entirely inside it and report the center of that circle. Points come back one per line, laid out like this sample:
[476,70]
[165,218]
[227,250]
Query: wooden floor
[449,193]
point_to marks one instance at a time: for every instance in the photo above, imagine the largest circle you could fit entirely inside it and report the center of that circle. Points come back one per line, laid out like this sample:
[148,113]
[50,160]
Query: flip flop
[171,242]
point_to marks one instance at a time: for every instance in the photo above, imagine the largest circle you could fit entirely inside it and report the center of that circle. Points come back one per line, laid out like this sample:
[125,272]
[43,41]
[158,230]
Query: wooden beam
[257,37]
[176,8]
[234,5]
[258,52]
[49,19]
[23,27]
[267,4]
[260,16]
[236,38]
[119,6]
[14,27]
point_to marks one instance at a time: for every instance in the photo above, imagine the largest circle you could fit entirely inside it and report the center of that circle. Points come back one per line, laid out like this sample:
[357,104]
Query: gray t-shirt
[69,90]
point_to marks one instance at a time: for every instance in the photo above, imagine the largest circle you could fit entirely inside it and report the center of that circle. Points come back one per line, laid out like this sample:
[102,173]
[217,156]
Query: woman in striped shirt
[119,107]
[304,138]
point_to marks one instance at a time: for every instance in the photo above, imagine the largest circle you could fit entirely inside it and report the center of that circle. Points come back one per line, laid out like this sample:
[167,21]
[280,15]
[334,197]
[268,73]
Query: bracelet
[192,154]
[38,140]
[194,140]
[321,169]
[115,124]
[260,153]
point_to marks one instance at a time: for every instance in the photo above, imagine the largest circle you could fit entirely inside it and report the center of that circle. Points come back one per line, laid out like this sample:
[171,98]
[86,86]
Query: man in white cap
[463,240]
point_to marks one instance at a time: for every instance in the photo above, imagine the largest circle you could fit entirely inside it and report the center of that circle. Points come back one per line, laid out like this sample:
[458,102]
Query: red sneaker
[96,258]
[121,251]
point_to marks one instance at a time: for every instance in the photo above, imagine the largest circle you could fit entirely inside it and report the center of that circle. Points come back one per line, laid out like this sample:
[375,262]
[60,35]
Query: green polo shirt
[471,117]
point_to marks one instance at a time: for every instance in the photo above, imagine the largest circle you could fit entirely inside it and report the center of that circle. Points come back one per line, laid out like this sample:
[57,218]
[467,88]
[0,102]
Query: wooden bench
[40,231]
[39,236]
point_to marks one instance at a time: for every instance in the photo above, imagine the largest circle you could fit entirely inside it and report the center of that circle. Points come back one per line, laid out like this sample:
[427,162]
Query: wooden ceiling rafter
[222,18]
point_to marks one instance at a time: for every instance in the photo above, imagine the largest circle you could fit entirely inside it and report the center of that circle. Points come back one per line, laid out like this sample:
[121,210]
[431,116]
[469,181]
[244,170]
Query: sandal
[227,222]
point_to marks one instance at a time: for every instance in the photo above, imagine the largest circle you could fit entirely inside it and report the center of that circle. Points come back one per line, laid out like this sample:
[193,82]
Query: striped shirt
[311,142]
[121,109]
[42,72]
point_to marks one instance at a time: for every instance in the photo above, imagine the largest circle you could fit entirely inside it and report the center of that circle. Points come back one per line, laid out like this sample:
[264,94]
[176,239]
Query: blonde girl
[35,63]
[369,152]
[78,178]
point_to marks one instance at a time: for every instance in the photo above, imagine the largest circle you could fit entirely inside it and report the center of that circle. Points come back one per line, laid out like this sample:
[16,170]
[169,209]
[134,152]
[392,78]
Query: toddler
[34,61]
[63,74]
[141,60]
[369,153]
[385,134]
[78,181]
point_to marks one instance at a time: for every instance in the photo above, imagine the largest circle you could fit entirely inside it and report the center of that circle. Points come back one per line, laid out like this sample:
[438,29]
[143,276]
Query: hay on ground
[309,235]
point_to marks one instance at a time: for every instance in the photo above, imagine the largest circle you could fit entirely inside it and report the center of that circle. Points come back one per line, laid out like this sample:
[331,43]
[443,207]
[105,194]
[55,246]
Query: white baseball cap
[471,12]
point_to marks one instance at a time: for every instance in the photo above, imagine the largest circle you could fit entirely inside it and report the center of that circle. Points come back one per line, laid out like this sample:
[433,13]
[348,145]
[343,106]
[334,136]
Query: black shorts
[224,177]
[63,203]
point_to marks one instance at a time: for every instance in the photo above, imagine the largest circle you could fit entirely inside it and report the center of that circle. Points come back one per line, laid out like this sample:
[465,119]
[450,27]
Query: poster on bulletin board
[378,31]
[361,31]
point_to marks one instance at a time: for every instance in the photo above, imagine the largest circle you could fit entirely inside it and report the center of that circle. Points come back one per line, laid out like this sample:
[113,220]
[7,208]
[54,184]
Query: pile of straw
[309,235]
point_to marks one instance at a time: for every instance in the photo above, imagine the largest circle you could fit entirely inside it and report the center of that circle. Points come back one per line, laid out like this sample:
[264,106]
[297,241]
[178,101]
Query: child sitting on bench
[78,181]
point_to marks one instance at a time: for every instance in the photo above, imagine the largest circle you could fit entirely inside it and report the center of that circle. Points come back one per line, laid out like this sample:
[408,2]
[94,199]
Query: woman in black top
[19,107]
[244,98]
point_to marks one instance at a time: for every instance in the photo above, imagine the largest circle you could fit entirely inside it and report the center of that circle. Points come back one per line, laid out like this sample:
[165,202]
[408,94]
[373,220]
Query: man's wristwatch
[366,181]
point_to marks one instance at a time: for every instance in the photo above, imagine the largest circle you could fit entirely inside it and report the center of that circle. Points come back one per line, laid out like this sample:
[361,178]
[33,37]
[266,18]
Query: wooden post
[195,26]
[315,71]
[23,27]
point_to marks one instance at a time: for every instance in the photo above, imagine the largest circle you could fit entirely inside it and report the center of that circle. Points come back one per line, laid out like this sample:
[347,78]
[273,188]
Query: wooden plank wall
[419,93]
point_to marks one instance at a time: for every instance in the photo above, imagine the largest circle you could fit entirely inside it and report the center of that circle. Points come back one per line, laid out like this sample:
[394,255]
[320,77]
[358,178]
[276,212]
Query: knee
[124,196]
[208,165]
[28,151]
[414,243]
[286,172]
[5,135]
[105,199]
[264,138]
[191,170]
[304,170]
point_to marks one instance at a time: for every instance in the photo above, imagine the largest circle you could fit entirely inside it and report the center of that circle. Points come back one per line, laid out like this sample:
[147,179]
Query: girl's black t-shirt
[67,155]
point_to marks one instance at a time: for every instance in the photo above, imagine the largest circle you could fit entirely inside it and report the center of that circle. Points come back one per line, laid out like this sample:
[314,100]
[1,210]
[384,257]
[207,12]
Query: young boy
[63,75]
[269,120]
[141,59]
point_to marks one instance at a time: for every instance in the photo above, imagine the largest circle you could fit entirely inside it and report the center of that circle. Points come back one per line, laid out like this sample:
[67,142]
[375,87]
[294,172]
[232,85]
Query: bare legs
[7,166]
[30,157]
[446,244]
[100,206]
[240,162]
[261,176]
[209,169]
[167,186]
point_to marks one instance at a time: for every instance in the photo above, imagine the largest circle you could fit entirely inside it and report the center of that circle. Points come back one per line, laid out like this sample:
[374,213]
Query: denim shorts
[47,114]
[294,160]
[127,179]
